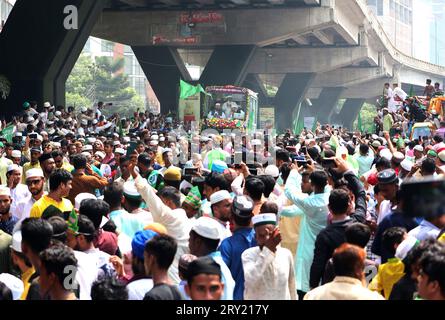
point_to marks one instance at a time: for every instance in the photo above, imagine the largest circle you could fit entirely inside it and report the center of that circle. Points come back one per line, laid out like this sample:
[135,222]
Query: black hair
[172,194]
[269,207]
[79,161]
[416,253]
[164,248]
[58,177]
[57,153]
[94,209]
[240,221]
[86,228]
[113,193]
[254,187]
[319,179]
[285,171]
[391,237]
[376,189]
[202,265]
[433,264]
[364,148]
[358,234]
[282,155]
[216,180]
[59,228]
[144,159]
[383,163]
[338,201]
[56,258]
[437,138]
[5,292]
[269,184]
[210,244]
[109,288]
[428,166]
[36,233]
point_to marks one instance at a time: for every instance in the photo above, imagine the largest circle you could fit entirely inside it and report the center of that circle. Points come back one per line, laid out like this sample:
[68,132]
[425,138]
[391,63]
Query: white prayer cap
[56,144]
[13,167]
[406,165]
[154,137]
[18,134]
[43,133]
[405,247]
[418,148]
[94,121]
[153,143]
[130,190]
[58,113]
[16,243]
[265,218]
[84,122]
[39,137]
[386,153]
[398,156]
[16,154]
[47,105]
[87,147]
[100,154]
[86,154]
[69,119]
[162,139]
[272,170]
[34,172]
[376,143]
[83,109]
[120,151]
[219,196]
[441,156]
[82,196]
[4,191]
[116,143]
[91,139]
[185,184]
[116,135]
[14,284]
[127,139]
[30,119]
[207,227]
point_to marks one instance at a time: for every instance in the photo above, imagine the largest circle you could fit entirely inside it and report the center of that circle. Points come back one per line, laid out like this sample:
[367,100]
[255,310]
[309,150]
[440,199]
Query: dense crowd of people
[138,208]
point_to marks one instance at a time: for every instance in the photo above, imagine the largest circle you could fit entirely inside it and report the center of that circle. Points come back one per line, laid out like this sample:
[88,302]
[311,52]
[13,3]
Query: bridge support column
[326,102]
[44,50]
[227,65]
[291,93]
[349,112]
[163,70]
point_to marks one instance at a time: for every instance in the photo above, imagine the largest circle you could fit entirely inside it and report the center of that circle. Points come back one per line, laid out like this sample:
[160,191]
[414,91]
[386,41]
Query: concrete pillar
[326,102]
[349,112]
[162,69]
[37,51]
[290,94]
[253,83]
[227,65]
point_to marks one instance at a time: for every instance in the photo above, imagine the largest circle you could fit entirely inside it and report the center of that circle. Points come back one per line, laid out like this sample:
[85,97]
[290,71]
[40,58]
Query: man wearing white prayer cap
[34,182]
[204,240]
[18,191]
[268,268]
[221,205]
[7,220]
[12,283]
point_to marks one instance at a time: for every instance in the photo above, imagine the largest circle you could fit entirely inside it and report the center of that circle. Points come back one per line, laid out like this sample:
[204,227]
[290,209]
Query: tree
[368,112]
[80,83]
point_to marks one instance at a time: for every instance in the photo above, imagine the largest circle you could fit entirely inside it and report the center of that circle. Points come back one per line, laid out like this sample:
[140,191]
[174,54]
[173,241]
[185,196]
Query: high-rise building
[437,41]
[396,17]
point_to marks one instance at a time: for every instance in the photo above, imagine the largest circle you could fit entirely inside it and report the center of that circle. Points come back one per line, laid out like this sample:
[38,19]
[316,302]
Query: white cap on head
[87,147]
[398,156]
[94,121]
[386,153]
[86,154]
[130,190]
[14,284]
[58,113]
[47,105]
[272,170]
[91,139]
[207,227]
[154,137]
[100,154]
[418,148]
[441,156]
[39,137]
[5,191]
[16,154]
[407,165]
[220,196]
[82,196]
[265,218]
[120,151]
[18,134]
[162,139]
[405,247]
[153,143]
[127,139]
[16,243]
[84,122]
[13,167]
[83,109]
[34,173]
[116,143]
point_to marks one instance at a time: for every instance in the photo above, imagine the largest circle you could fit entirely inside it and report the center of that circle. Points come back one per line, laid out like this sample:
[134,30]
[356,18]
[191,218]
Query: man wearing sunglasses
[34,180]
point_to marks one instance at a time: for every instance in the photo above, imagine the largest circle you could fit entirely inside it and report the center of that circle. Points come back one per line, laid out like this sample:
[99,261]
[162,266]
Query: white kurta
[19,194]
[268,275]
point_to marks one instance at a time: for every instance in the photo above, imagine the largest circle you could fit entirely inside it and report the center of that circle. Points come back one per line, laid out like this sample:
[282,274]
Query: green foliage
[368,112]
[5,87]
[102,79]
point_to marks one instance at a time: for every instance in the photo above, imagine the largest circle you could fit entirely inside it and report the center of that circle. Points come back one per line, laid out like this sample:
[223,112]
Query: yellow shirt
[25,278]
[26,167]
[387,276]
[4,163]
[45,201]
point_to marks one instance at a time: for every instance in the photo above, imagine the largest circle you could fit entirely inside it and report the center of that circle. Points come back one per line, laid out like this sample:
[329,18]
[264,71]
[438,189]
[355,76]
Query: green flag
[359,122]
[188,90]
[411,91]
[8,132]
[121,131]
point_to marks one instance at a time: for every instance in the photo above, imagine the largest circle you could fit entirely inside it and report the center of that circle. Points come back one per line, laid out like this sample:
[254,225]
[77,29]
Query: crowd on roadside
[139,208]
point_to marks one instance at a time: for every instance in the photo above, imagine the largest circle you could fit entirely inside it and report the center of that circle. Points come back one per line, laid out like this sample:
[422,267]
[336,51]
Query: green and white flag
[8,132]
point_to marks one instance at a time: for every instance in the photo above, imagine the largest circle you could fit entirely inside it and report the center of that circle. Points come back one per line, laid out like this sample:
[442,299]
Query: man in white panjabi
[268,268]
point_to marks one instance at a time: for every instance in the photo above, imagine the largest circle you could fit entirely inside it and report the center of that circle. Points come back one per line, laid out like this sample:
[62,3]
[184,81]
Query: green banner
[8,132]
[188,90]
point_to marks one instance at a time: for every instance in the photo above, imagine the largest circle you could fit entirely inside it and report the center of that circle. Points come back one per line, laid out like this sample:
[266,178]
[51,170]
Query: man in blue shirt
[243,238]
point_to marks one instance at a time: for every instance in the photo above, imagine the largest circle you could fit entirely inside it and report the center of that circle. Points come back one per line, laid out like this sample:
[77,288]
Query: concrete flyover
[323,50]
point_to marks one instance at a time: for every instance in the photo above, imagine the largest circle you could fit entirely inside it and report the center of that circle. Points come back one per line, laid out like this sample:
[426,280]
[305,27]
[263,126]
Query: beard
[6,210]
